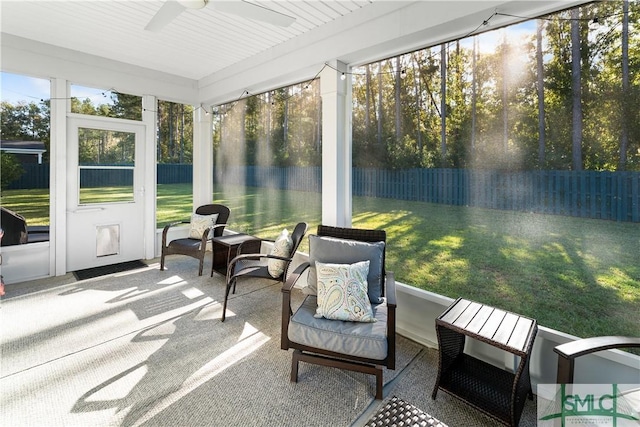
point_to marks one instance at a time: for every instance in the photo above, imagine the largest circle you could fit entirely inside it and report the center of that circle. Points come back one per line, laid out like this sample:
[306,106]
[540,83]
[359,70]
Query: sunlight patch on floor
[217,365]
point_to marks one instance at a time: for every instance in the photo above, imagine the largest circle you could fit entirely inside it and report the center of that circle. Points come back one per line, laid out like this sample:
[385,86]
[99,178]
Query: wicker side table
[224,249]
[496,392]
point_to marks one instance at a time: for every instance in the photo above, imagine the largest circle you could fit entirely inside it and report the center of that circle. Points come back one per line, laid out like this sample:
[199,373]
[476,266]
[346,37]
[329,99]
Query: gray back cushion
[343,251]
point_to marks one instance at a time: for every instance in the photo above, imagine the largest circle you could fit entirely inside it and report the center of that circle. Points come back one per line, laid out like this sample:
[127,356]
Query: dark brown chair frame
[193,247]
[338,360]
[16,230]
[568,352]
[250,251]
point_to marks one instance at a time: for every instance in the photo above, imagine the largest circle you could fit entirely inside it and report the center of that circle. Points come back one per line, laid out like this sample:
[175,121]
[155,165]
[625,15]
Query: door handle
[87,210]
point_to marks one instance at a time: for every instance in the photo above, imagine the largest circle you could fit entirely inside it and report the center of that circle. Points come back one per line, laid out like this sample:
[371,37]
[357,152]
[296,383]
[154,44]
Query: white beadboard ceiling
[197,43]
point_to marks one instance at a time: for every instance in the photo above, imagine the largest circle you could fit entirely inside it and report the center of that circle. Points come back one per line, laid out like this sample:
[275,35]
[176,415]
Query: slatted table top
[233,239]
[509,331]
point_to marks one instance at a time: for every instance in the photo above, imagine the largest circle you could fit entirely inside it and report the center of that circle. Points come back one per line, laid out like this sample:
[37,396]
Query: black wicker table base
[497,392]
[396,412]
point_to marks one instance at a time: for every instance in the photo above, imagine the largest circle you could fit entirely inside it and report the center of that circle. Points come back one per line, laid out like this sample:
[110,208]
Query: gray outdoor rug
[147,347]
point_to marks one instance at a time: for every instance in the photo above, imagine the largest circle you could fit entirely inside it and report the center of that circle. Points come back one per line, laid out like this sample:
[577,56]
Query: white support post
[336,145]
[150,120]
[60,104]
[202,157]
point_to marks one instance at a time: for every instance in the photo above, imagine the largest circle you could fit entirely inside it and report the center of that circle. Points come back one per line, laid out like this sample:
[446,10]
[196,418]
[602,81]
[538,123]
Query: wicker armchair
[249,262]
[350,345]
[193,247]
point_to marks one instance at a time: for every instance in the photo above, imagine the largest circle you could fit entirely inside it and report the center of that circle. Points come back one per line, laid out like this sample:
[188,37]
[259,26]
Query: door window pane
[106,160]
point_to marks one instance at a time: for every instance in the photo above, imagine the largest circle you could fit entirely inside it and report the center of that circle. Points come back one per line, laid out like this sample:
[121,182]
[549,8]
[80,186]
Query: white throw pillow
[201,222]
[281,247]
[342,292]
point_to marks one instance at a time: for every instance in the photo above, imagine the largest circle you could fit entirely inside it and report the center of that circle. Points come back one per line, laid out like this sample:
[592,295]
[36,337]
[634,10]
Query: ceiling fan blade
[167,13]
[253,11]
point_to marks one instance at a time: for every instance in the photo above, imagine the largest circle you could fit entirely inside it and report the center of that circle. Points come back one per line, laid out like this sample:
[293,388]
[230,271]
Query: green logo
[590,404]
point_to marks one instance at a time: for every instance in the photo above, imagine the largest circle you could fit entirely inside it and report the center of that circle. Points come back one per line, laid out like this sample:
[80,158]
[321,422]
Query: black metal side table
[496,392]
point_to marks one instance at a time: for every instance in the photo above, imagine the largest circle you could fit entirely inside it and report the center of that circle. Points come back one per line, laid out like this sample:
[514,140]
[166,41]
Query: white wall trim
[23,56]
[60,105]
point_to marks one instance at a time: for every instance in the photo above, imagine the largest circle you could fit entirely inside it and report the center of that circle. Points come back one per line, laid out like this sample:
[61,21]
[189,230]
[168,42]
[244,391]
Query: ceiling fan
[172,8]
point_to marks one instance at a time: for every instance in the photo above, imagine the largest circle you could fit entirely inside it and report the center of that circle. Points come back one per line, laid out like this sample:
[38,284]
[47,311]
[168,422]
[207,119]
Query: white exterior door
[105,192]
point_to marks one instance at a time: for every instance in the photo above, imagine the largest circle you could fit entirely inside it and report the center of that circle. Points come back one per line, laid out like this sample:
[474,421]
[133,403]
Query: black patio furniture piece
[366,347]
[250,262]
[191,246]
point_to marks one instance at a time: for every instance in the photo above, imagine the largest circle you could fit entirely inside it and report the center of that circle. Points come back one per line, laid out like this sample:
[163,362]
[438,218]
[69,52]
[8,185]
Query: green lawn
[579,276]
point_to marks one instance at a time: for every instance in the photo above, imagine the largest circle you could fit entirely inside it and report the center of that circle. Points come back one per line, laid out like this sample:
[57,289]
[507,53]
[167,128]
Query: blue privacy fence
[587,194]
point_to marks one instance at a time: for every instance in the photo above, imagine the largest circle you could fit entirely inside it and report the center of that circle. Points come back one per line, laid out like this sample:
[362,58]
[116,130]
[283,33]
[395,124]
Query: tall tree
[505,94]
[367,103]
[576,91]
[380,111]
[540,90]
[474,93]
[398,100]
[443,101]
[626,105]
[418,102]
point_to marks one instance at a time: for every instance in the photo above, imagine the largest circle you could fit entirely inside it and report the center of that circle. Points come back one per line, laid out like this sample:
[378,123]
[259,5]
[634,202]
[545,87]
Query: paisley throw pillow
[342,292]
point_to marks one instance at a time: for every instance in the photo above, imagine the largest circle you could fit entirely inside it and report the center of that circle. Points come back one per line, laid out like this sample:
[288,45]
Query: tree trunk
[159,124]
[182,133]
[367,100]
[380,103]
[626,107]
[398,103]
[285,121]
[474,93]
[267,126]
[576,91]
[505,97]
[541,117]
[318,120]
[171,148]
[443,101]
[418,110]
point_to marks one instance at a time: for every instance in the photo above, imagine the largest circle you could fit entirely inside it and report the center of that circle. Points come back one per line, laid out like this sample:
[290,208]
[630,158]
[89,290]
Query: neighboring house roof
[23,147]
[34,148]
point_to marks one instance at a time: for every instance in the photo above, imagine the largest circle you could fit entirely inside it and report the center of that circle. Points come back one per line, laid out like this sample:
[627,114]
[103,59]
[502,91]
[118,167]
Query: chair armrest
[205,235]
[207,231]
[294,276]
[390,295]
[252,256]
[578,348]
[287,312]
[568,352]
[251,246]
[390,288]
[166,229]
